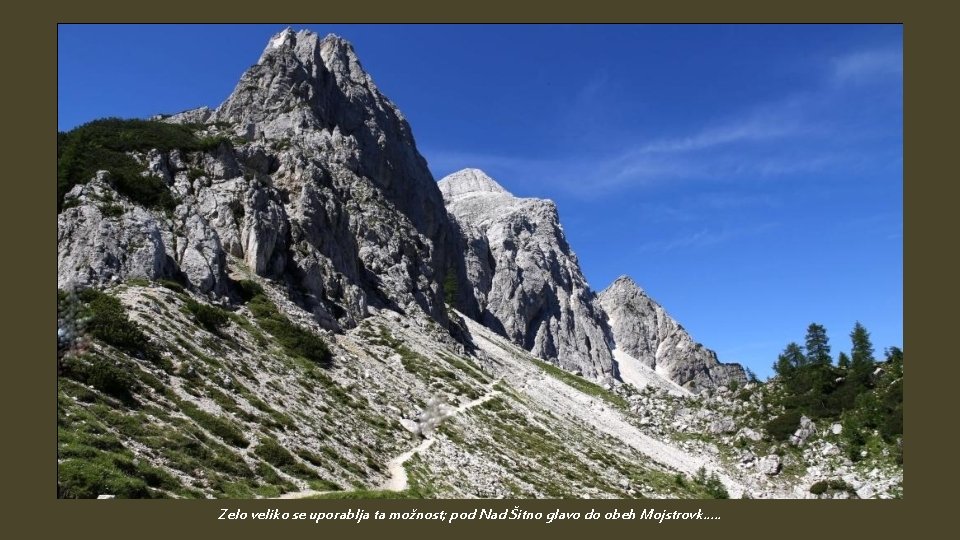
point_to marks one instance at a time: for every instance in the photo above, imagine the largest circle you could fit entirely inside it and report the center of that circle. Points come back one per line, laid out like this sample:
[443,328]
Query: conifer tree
[861,359]
[790,360]
[818,345]
[843,361]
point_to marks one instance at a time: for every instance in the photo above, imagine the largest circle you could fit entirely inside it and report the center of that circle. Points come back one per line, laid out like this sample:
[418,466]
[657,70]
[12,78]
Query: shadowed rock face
[644,330]
[367,224]
[525,281]
[322,189]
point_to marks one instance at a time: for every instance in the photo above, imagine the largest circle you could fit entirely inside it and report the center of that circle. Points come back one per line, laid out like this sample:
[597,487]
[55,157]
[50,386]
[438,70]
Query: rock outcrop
[526,281]
[99,240]
[361,220]
[642,329]
[103,238]
[318,185]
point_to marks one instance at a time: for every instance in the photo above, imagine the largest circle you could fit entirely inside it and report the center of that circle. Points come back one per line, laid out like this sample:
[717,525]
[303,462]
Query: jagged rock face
[355,211]
[103,238]
[526,282]
[643,329]
[325,191]
[314,91]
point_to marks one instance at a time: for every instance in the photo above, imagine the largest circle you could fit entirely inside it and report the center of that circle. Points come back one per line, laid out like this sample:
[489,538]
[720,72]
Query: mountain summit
[525,279]
[643,331]
[468,182]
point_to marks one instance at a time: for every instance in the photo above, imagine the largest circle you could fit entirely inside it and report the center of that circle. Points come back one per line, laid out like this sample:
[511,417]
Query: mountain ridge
[281,300]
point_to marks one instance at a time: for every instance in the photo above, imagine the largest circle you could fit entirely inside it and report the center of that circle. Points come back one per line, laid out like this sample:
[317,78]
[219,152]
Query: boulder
[769,465]
[804,431]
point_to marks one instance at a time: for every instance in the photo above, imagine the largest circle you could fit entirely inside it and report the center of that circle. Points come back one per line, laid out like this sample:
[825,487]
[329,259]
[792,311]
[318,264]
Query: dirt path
[398,474]
[398,481]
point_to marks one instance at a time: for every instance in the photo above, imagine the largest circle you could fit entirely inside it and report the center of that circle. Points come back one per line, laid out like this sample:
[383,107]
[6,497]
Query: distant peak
[468,181]
[625,282]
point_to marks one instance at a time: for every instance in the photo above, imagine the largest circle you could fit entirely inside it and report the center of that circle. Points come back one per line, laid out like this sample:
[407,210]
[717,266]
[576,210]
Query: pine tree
[790,360]
[861,359]
[818,345]
[862,351]
[843,361]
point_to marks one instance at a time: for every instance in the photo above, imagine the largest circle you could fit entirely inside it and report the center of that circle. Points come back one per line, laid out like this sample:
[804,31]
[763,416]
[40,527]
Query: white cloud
[799,133]
[866,66]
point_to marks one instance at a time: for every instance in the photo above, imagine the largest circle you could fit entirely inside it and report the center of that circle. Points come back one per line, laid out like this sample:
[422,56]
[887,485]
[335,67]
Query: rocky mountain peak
[303,83]
[625,285]
[643,332]
[526,282]
[469,182]
[320,186]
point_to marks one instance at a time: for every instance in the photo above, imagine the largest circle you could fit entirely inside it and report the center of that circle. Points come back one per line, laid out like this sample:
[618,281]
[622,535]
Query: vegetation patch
[111,377]
[711,484]
[367,494]
[834,484]
[105,319]
[273,453]
[782,427]
[582,384]
[296,341]
[211,318]
[105,145]
[218,425]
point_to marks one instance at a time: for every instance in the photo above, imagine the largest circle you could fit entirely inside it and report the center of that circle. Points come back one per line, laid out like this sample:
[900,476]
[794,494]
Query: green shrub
[107,321]
[149,191]
[219,426]
[111,210]
[834,484]
[278,456]
[103,145]
[109,378]
[819,488]
[295,340]
[172,285]
[209,317]
[274,454]
[105,474]
[248,289]
[783,426]
[711,484]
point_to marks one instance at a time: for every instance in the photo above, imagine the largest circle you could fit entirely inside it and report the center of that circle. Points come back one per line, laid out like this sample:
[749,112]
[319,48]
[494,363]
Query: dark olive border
[30,84]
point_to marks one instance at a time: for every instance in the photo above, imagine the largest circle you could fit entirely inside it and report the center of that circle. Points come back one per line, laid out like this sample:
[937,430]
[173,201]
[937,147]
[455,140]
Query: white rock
[645,331]
[866,491]
[769,465]
[525,278]
[804,431]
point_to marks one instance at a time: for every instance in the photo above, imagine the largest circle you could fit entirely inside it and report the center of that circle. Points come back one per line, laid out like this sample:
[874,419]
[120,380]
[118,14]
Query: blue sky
[749,177]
